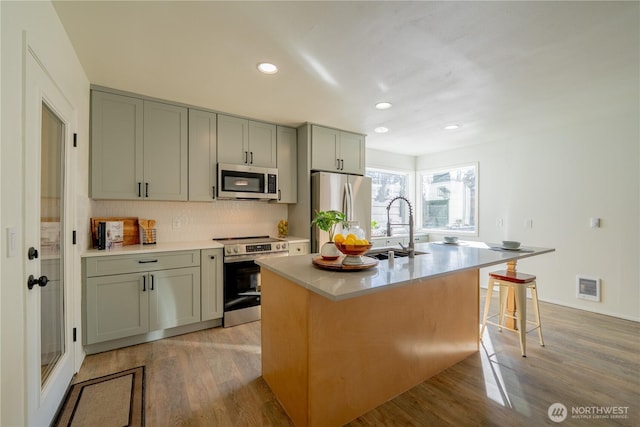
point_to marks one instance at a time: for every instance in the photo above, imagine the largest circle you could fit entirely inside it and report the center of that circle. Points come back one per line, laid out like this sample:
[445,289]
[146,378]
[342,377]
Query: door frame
[39,86]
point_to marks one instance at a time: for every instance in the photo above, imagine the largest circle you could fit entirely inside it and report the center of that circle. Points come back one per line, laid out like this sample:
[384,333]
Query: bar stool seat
[520,282]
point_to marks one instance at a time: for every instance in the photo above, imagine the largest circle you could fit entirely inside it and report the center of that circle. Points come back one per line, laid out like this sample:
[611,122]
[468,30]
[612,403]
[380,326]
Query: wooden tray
[337,265]
[131,234]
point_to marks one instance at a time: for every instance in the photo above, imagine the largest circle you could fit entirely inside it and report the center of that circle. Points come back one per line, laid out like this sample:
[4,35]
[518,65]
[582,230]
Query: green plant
[327,221]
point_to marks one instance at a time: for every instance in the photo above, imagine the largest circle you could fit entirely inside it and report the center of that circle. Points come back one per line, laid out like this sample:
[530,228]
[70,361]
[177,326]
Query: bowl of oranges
[352,246]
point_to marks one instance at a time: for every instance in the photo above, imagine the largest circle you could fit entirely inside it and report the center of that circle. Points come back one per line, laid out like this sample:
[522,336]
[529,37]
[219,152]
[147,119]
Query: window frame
[419,204]
[410,192]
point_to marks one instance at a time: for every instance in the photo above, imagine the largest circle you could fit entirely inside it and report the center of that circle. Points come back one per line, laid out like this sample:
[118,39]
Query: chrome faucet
[411,248]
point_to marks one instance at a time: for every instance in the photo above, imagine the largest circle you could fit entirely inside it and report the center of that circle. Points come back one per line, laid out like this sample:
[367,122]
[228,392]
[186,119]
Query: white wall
[383,160]
[585,165]
[50,42]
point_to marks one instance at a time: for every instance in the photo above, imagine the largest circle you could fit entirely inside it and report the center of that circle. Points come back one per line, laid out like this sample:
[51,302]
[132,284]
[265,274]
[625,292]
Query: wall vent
[588,288]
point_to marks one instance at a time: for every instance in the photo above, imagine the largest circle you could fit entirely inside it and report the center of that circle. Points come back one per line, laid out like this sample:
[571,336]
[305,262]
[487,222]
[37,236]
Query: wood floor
[590,363]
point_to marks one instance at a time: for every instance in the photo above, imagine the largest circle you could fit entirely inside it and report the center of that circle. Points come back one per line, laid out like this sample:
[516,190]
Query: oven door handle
[244,258]
[249,294]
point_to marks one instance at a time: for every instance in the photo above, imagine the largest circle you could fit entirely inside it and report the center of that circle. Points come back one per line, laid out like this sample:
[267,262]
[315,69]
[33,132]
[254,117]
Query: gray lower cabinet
[298,248]
[127,295]
[211,284]
[117,307]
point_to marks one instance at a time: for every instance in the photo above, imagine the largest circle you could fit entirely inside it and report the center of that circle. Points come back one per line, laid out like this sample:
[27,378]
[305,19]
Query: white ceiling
[497,68]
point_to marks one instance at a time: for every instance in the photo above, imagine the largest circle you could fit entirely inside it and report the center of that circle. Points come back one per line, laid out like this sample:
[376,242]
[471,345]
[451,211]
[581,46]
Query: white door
[49,124]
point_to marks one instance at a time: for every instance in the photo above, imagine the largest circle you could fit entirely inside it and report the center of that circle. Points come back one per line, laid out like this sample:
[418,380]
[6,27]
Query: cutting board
[130,230]
[337,265]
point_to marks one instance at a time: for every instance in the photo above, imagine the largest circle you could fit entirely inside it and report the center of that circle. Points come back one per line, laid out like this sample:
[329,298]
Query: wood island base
[329,362]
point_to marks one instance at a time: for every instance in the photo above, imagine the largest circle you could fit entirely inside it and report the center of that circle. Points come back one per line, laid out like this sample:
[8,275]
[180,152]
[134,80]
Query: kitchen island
[337,344]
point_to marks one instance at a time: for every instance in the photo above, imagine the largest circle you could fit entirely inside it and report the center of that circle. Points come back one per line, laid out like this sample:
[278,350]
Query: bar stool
[519,282]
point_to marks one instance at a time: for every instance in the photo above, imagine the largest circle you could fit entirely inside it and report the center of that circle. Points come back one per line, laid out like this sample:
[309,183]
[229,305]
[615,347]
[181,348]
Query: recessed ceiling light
[452,127]
[383,105]
[381,129]
[267,68]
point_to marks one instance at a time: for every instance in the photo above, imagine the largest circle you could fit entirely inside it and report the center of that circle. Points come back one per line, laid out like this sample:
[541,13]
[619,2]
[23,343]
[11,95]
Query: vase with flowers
[327,221]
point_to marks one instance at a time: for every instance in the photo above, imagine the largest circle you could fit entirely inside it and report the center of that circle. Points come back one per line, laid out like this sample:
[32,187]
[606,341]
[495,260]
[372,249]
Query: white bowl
[510,244]
[450,239]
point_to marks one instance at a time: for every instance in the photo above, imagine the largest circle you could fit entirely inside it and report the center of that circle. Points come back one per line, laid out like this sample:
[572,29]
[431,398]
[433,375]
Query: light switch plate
[12,241]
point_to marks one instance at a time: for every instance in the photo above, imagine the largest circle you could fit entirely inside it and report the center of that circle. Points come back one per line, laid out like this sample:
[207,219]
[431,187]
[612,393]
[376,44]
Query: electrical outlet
[500,222]
[176,223]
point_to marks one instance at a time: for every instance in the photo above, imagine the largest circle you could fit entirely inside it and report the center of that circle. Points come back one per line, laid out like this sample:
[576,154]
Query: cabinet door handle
[341,164]
[251,162]
[144,283]
[147,261]
[153,282]
[213,192]
[279,195]
[139,189]
[146,189]
[212,256]
[337,164]
[246,156]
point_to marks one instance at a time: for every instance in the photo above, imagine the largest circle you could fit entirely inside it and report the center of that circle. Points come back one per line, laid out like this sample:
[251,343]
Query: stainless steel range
[242,275]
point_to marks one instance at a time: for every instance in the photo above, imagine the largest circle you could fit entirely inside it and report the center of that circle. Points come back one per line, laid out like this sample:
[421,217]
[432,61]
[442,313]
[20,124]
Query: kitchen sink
[383,253]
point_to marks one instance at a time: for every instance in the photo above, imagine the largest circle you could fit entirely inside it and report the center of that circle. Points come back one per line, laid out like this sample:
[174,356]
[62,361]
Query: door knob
[33,253]
[32,281]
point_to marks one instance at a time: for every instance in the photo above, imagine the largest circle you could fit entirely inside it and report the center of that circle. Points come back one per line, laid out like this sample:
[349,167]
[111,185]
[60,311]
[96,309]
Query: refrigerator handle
[345,200]
[348,201]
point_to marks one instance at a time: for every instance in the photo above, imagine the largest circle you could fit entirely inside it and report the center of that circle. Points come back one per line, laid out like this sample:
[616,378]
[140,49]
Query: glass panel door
[52,327]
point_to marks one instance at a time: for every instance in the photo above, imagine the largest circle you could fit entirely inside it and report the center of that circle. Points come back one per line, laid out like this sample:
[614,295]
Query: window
[385,185]
[449,199]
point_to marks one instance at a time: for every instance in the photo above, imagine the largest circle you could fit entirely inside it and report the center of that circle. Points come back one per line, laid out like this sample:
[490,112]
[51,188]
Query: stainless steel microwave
[247,182]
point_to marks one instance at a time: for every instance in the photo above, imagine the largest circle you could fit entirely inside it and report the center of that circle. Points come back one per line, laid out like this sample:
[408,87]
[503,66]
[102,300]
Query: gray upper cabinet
[287,165]
[165,152]
[352,152]
[202,155]
[246,142]
[116,146]
[333,150]
[139,148]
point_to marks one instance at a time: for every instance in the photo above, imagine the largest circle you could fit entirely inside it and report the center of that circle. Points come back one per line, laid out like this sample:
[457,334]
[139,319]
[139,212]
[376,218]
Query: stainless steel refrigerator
[350,194]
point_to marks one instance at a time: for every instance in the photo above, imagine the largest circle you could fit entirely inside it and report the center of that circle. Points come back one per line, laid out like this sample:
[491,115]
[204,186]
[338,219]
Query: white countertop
[158,247]
[440,260]
[294,239]
[169,246]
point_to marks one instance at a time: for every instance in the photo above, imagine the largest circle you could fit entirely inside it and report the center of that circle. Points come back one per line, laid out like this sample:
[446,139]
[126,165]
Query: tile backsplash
[192,221]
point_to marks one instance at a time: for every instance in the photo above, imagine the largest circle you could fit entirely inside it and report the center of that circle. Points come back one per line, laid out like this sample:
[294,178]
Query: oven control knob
[277,245]
[284,246]
[235,249]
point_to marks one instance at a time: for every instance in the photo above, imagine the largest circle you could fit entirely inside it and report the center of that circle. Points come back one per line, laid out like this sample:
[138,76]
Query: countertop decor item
[352,243]
[338,264]
[510,244]
[353,252]
[327,221]
[283,228]
[147,231]
[130,229]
